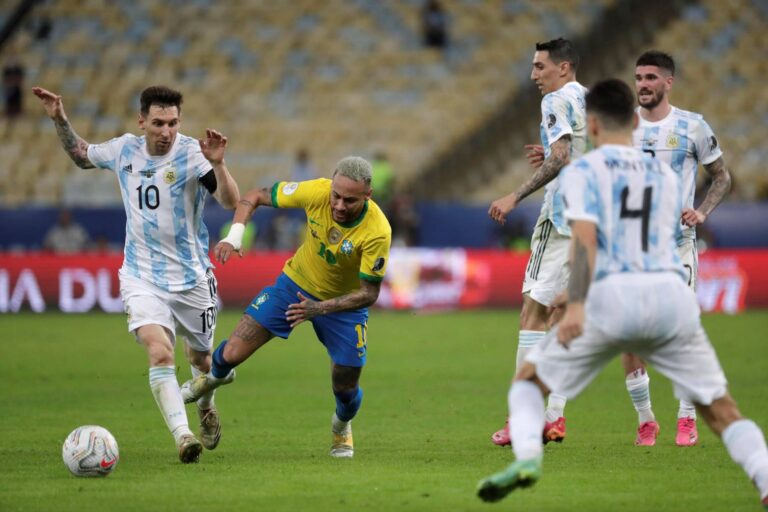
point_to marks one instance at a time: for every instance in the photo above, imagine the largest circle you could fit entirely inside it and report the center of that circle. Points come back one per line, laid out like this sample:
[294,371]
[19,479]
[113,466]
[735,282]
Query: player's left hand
[557,309]
[501,207]
[303,310]
[691,217]
[213,146]
[572,324]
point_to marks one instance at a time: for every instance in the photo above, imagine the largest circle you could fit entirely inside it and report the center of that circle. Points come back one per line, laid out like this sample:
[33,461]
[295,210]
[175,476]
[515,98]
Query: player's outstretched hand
[303,310]
[572,324]
[691,217]
[224,250]
[501,207]
[213,146]
[52,103]
[535,154]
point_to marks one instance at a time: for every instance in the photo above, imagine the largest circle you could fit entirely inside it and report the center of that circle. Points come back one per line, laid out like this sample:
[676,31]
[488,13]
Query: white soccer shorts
[547,272]
[653,315]
[192,311]
[690,256]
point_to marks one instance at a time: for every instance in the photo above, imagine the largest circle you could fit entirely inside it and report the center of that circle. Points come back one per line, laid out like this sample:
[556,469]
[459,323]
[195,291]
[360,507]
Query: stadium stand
[350,77]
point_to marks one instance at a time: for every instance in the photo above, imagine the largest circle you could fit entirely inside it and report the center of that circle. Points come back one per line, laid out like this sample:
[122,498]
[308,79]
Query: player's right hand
[224,250]
[572,324]
[535,154]
[501,207]
[52,103]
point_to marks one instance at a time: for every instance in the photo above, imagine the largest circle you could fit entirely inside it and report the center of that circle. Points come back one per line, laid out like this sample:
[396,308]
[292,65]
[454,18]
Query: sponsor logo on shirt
[712,143]
[290,188]
[346,247]
[148,173]
[127,168]
[334,236]
[378,264]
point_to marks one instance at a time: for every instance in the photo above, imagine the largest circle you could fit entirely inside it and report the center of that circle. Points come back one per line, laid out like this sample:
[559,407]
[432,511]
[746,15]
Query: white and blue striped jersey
[635,201]
[682,140]
[166,241]
[563,112]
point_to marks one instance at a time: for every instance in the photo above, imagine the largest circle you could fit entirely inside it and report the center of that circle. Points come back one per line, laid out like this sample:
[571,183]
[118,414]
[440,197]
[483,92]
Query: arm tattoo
[721,185]
[74,145]
[561,150]
[247,203]
[578,284]
[364,297]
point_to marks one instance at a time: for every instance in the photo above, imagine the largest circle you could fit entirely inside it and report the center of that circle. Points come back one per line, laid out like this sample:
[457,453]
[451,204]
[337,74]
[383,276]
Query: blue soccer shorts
[344,333]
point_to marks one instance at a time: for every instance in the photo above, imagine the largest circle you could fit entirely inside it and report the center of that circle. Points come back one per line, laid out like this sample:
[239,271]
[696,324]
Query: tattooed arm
[73,144]
[583,254]
[308,308]
[558,158]
[721,185]
[245,208]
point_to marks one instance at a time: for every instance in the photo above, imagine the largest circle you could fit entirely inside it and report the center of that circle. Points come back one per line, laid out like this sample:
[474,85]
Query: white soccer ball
[90,451]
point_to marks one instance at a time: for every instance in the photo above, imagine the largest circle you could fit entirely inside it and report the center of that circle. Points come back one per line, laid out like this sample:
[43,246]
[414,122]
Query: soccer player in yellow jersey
[330,281]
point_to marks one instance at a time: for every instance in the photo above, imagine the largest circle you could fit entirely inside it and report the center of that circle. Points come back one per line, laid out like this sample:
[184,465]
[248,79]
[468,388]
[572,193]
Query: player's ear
[369,193]
[142,120]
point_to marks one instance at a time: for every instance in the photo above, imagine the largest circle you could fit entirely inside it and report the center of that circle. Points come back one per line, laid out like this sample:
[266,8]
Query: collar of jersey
[356,221]
[661,121]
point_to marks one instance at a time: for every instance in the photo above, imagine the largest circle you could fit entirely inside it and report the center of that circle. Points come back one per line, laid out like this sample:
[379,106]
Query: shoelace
[647,429]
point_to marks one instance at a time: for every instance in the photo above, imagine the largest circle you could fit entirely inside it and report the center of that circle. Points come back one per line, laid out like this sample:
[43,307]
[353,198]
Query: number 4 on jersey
[644,213]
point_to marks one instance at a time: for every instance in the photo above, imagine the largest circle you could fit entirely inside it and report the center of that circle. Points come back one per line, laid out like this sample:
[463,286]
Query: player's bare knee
[720,413]
[200,360]
[344,378]
[533,315]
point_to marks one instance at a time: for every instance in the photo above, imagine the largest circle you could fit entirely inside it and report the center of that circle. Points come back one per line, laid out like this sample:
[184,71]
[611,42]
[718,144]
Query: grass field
[435,389]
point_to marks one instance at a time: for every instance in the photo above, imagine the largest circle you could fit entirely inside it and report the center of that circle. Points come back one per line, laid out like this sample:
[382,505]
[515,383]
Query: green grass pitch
[435,389]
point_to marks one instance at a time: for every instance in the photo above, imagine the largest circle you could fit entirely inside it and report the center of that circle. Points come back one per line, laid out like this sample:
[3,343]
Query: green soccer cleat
[521,473]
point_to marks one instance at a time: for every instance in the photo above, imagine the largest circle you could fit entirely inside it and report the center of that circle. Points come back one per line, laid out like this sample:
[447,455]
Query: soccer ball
[90,451]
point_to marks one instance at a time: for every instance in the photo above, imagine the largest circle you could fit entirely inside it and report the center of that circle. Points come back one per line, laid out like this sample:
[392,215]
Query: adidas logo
[127,168]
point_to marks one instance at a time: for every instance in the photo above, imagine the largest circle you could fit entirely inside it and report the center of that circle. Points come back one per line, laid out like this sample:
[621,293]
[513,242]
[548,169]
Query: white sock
[206,401]
[555,407]
[686,410]
[337,425]
[746,445]
[639,392]
[526,340]
[165,388]
[526,419]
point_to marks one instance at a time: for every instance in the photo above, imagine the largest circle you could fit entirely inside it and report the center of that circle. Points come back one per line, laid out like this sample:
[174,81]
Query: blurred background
[436,93]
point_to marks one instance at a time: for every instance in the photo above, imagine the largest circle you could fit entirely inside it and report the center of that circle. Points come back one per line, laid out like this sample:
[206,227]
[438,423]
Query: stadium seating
[337,78]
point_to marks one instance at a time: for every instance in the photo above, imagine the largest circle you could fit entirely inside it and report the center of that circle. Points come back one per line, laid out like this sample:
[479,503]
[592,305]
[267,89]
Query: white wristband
[235,236]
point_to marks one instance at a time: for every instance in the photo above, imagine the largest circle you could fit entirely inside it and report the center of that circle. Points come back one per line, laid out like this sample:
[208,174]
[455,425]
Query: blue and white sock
[165,388]
[525,342]
[526,419]
[639,391]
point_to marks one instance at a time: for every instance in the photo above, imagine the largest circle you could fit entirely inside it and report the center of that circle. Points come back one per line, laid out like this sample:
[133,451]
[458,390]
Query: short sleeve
[373,264]
[105,155]
[707,145]
[554,115]
[200,164]
[299,194]
[580,192]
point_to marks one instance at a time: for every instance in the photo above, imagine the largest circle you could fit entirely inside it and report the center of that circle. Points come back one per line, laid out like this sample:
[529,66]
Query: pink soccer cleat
[687,435]
[501,437]
[554,431]
[647,433]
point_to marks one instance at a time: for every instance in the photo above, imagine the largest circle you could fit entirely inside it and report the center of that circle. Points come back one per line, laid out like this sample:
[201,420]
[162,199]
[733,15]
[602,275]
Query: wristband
[235,236]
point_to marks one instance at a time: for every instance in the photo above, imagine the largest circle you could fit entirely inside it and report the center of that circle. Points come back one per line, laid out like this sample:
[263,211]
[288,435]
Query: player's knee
[533,316]
[631,362]
[720,413]
[345,378]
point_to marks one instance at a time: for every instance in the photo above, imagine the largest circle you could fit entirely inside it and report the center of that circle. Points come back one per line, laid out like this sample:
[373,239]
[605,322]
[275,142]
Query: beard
[653,102]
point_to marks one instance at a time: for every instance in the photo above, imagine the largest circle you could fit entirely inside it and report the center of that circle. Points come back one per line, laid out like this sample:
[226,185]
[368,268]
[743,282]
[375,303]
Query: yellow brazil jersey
[334,257]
